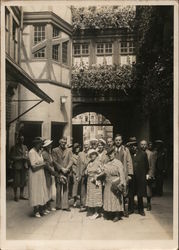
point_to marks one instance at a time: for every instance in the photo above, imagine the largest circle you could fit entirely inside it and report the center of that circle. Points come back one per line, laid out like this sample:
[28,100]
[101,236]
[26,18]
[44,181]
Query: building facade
[95,47]
[45,54]
[16,77]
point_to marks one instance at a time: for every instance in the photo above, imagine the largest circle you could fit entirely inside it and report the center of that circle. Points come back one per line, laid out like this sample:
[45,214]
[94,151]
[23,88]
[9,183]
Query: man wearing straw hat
[62,157]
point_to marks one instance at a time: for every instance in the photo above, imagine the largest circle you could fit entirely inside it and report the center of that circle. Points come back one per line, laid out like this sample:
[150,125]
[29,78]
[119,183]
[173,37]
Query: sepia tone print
[89,122]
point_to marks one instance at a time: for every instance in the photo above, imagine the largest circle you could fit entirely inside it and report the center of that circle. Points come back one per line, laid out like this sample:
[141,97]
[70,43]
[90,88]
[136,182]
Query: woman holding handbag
[114,187]
[38,194]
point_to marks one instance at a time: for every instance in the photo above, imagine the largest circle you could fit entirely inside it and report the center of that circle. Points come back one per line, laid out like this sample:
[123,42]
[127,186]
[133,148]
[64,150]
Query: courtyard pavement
[61,225]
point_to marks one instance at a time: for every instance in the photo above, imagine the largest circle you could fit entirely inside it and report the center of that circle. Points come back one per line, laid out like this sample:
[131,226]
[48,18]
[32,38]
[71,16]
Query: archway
[90,125]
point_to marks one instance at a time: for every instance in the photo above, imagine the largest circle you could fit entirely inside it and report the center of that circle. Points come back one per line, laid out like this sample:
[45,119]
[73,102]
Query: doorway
[91,125]
[30,130]
[57,130]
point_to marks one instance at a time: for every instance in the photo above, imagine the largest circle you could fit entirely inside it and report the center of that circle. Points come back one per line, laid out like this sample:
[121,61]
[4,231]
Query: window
[55,52]
[127,51]
[81,54]
[127,47]
[56,31]
[104,53]
[65,52]
[85,49]
[81,49]
[104,48]
[15,40]
[7,30]
[39,33]
[77,50]
[40,53]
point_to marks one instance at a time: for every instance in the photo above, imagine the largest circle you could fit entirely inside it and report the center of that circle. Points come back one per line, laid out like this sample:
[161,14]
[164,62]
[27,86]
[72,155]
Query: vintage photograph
[89,113]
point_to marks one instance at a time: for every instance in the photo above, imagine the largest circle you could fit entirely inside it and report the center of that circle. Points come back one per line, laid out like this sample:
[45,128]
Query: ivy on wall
[103,78]
[154,29]
[102,17]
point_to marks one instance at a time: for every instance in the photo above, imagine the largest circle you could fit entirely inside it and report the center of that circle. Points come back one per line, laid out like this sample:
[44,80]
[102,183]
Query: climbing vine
[102,17]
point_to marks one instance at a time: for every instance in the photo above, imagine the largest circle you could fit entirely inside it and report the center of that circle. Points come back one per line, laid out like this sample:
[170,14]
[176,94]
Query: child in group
[94,186]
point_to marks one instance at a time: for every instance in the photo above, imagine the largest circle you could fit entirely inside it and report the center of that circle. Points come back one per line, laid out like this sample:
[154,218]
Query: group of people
[106,175]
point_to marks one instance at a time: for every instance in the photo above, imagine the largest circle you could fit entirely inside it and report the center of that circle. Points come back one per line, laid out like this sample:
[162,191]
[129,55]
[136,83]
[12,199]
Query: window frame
[128,47]
[57,52]
[42,31]
[81,55]
[104,54]
[62,53]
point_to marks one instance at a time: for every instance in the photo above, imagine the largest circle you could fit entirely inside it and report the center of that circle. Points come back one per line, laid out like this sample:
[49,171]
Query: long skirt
[112,203]
[94,194]
[38,193]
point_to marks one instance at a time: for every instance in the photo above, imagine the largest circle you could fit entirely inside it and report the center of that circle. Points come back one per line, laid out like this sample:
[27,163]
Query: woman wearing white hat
[49,171]
[94,187]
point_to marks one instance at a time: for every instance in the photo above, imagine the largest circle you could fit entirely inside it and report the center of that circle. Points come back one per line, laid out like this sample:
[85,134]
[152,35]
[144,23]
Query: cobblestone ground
[61,225]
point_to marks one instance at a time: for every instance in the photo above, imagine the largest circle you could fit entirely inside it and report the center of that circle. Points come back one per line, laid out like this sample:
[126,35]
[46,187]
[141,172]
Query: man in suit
[82,163]
[122,153]
[19,157]
[62,158]
[151,173]
[141,168]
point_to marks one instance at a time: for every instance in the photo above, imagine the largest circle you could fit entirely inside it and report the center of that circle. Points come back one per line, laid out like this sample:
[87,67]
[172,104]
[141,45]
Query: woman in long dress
[38,194]
[114,176]
[94,187]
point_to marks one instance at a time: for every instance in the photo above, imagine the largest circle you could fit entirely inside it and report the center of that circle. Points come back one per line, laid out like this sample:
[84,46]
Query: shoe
[74,205]
[37,215]
[142,213]
[116,219]
[149,208]
[23,198]
[16,199]
[83,209]
[47,211]
[67,209]
[53,209]
[58,208]
[94,216]
[126,214]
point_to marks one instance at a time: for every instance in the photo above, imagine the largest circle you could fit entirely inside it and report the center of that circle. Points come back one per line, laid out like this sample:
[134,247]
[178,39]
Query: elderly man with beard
[122,153]
[151,173]
[62,158]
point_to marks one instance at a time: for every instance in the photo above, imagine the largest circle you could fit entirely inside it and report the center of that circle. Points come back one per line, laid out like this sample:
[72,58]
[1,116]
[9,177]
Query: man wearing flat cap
[62,157]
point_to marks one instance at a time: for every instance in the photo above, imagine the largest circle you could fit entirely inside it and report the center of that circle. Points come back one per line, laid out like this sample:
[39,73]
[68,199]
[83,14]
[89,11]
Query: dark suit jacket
[141,168]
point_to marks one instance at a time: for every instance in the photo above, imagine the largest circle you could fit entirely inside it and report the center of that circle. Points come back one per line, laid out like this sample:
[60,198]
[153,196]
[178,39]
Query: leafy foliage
[155,56]
[103,78]
[103,17]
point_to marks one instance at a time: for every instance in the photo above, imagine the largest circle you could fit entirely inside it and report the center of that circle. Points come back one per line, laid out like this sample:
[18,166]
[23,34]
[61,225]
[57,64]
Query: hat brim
[47,144]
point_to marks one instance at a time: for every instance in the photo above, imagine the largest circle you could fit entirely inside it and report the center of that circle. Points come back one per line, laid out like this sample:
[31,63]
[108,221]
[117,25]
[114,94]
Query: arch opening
[90,125]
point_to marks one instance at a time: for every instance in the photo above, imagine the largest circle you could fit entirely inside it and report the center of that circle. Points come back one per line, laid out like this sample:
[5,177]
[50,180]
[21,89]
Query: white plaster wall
[26,44]
[47,113]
